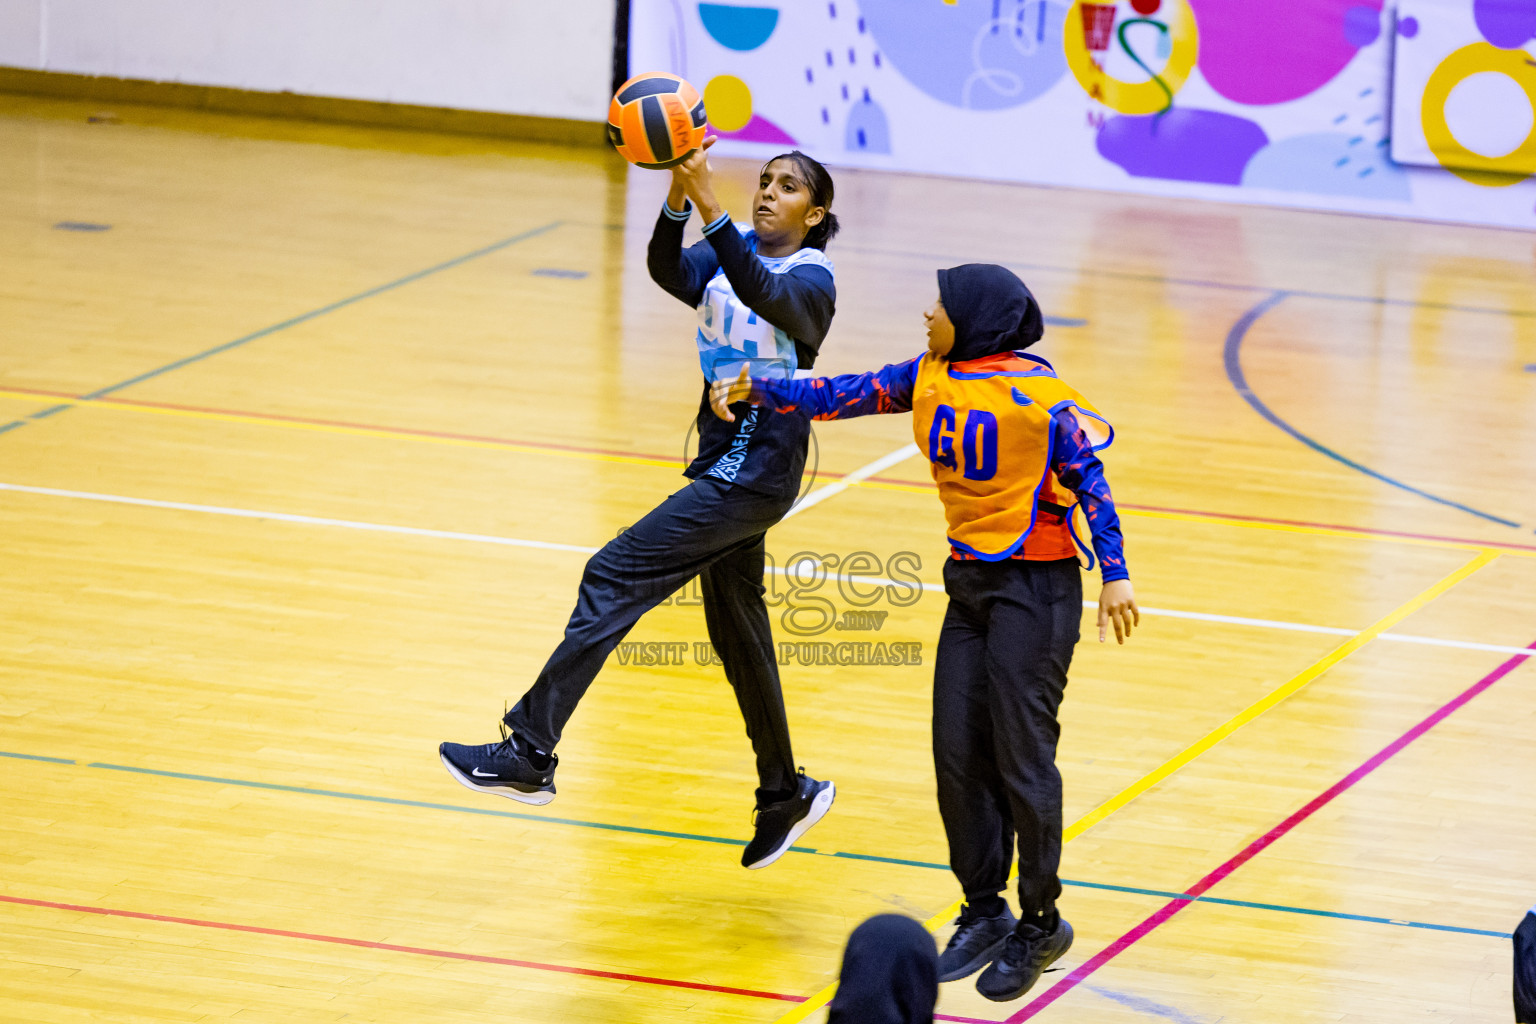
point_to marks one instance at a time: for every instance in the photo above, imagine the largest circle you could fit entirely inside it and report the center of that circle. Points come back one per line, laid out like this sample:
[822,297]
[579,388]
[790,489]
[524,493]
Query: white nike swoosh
[477,773]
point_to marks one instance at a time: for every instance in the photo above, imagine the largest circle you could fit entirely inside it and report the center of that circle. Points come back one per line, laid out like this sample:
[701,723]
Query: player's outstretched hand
[1117,604]
[724,392]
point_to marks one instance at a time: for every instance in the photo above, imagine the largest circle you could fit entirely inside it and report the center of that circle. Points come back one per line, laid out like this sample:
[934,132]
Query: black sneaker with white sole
[977,942]
[1025,956]
[780,824]
[506,769]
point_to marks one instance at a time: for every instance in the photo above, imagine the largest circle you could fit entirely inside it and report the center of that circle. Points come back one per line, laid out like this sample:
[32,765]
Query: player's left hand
[1117,604]
[722,393]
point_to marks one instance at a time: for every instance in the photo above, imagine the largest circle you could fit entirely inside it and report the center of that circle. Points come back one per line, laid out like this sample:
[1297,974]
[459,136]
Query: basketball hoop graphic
[1098,25]
[1105,34]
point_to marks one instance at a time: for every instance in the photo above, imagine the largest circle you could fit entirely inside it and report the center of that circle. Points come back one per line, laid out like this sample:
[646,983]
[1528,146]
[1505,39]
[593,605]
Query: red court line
[552,446]
[1366,530]
[1256,847]
[445,954]
[311,421]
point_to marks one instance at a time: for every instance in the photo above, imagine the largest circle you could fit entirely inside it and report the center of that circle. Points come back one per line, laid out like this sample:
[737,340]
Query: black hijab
[890,974]
[991,309]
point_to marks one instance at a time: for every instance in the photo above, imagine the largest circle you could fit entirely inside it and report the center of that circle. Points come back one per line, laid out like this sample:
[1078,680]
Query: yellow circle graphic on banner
[1492,171]
[1176,22]
[728,103]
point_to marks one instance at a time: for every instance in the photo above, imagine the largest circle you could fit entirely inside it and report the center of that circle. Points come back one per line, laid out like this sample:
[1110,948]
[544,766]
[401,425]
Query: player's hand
[694,175]
[722,393]
[697,163]
[1117,604]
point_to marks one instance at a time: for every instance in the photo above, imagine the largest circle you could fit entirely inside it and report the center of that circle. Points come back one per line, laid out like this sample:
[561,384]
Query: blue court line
[1232,356]
[400,802]
[37,757]
[291,322]
[722,841]
[1195,282]
[1143,1005]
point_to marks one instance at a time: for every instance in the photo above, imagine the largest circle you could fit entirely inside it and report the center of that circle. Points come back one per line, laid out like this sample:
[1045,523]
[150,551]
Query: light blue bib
[731,334]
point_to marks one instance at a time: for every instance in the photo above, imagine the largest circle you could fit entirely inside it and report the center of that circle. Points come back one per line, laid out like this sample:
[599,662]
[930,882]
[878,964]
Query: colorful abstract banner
[1283,104]
[1464,88]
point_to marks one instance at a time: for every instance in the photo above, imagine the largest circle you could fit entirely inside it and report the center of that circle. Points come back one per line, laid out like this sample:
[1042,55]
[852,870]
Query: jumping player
[1009,451]
[765,299]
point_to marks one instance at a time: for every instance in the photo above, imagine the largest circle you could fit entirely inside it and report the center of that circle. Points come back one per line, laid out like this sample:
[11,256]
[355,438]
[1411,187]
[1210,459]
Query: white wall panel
[521,57]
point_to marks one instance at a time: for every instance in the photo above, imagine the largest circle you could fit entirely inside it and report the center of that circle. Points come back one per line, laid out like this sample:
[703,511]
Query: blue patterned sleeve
[887,390]
[1079,470]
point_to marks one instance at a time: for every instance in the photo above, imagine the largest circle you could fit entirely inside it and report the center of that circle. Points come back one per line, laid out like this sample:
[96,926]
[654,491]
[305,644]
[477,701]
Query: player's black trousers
[999,677]
[708,529]
[1525,970]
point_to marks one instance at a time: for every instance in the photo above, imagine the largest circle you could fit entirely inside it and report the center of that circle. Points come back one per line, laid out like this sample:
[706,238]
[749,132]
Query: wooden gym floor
[305,432]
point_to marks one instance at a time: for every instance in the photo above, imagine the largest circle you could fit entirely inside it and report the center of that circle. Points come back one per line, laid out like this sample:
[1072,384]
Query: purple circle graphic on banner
[1408,27]
[1260,53]
[1362,25]
[1505,23]
[977,54]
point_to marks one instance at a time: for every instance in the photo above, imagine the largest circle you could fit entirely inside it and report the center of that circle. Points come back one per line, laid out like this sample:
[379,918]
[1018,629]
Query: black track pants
[708,529]
[1525,970]
[1000,674]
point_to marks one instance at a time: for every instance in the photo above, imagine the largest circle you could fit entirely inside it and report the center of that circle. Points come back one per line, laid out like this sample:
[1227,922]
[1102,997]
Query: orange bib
[986,427]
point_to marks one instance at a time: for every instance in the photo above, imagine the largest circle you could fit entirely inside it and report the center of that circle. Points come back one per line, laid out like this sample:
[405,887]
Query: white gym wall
[508,56]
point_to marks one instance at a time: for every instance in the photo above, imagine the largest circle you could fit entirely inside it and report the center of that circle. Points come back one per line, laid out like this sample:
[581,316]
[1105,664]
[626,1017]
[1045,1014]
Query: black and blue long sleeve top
[770,314]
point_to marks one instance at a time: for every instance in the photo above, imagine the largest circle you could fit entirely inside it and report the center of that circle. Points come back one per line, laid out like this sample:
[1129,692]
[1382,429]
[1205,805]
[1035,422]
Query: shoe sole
[819,808]
[981,960]
[537,798]
[1009,997]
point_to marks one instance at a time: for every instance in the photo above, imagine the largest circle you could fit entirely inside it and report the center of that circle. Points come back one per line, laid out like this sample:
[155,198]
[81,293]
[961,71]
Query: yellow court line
[1204,743]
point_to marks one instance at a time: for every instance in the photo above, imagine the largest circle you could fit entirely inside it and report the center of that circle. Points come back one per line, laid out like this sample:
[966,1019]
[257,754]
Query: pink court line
[444,954]
[1254,848]
[1364,531]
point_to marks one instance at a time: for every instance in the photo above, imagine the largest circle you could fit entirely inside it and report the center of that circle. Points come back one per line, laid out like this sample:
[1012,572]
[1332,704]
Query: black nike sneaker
[976,942]
[780,824]
[1023,959]
[507,769]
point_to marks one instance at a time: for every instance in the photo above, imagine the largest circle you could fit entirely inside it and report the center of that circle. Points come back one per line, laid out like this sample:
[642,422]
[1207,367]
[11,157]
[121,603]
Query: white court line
[288,517]
[858,476]
[515,542]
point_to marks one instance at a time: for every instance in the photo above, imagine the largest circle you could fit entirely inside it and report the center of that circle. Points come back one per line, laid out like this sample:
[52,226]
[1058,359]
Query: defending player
[1009,452]
[765,297]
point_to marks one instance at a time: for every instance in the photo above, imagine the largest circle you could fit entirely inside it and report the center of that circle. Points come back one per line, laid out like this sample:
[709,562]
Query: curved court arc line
[1233,359]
